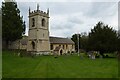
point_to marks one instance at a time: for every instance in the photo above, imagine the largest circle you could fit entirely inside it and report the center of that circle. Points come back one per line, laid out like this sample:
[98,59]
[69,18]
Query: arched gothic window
[43,22]
[33,44]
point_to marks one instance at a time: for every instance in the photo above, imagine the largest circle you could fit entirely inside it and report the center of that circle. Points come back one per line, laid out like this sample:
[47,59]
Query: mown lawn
[62,67]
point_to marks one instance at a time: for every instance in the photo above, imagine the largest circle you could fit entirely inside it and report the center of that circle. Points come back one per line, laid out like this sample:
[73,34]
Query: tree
[75,40]
[13,27]
[102,38]
[84,41]
[118,46]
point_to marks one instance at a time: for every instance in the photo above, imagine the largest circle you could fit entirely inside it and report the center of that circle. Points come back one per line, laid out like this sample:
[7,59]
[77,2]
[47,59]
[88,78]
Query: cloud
[65,24]
[67,18]
[75,18]
[102,9]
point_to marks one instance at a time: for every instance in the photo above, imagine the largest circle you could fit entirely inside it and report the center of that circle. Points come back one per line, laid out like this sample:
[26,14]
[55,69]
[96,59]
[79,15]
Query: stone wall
[67,48]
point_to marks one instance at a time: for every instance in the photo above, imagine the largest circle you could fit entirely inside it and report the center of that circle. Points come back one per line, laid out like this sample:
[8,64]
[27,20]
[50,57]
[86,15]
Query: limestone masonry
[38,39]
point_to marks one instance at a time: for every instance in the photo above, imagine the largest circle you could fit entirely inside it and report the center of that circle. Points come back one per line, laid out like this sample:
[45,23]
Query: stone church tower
[38,36]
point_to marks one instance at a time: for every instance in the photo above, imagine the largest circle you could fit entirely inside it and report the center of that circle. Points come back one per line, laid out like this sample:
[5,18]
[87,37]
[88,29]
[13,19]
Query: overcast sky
[67,18]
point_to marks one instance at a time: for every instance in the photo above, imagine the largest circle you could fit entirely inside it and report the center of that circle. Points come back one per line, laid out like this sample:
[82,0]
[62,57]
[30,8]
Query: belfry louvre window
[33,22]
[43,22]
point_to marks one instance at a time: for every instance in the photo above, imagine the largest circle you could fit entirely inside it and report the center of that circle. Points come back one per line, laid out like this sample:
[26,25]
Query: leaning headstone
[93,55]
[90,53]
[19,54]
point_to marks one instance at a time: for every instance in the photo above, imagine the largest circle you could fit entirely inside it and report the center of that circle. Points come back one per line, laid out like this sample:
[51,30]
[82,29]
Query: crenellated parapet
[39,12]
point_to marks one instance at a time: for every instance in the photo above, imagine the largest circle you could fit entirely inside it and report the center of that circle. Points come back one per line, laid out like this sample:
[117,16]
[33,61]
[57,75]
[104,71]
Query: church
[38,39]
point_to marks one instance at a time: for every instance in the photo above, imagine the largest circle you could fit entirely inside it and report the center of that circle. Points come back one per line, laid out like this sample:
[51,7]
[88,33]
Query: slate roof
[24,40]
[57,40]
[53,40]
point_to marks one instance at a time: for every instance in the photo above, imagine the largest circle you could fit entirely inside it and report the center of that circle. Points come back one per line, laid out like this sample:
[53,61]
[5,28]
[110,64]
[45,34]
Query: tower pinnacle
[48,11]
[37,7]
[29,9]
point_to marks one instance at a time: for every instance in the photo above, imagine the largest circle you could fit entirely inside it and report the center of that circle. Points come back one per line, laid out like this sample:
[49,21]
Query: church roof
[24,40]
[57,40]
[53,40]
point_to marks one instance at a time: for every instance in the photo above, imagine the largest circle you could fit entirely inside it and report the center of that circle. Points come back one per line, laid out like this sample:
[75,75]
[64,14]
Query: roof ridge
[57,37]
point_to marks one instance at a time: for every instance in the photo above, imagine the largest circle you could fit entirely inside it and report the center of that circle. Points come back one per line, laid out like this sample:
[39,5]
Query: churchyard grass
[66,66]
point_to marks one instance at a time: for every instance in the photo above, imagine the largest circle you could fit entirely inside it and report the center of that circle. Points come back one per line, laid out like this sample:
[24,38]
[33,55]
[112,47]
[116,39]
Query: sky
[70,17]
